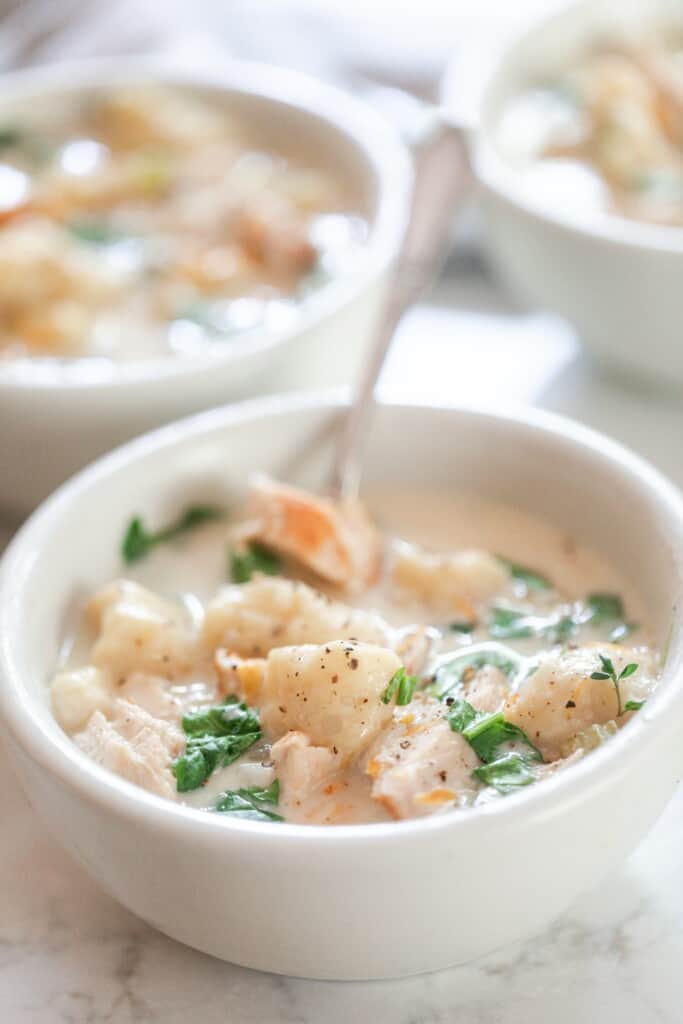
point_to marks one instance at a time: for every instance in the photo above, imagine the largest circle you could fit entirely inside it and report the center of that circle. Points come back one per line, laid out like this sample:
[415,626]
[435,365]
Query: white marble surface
[70,955]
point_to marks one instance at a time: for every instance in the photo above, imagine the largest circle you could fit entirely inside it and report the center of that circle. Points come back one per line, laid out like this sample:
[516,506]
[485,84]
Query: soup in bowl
[143,220]
[224,684]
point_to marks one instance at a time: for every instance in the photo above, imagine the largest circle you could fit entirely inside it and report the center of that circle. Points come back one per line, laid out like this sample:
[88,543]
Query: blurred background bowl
[58,417]
[616,281]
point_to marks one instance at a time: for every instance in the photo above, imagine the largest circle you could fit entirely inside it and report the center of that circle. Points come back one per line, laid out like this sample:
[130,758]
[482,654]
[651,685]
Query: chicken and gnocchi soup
[145,221]
[607,133]
[295,662]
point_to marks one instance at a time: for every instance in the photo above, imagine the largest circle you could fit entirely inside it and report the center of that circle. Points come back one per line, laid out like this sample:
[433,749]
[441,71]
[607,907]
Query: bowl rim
[375,140]
[56,753]
[494,172]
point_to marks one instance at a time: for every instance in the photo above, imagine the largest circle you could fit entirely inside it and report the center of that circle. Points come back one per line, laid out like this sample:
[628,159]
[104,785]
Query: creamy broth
[606,134]
[144,222]
[509,590]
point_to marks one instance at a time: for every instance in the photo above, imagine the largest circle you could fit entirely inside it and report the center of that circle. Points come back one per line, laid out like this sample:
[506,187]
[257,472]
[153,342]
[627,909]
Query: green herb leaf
[506,774]
[254,558]
[251,802]
[490,736]
[604,608]
[138,541]
[94,232]
[461,627]
[215,738]
[462,715]
[511,623]
[402,686]
[231,718]
[633,705]
[609,672]
[527,577]
[622,630]
[451,674]
[10,136]
[628,671]
[507,752]
[608,608]
[515,623]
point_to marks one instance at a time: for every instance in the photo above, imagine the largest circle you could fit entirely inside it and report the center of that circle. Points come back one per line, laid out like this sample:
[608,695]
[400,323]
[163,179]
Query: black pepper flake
[570,704]
[450,700]
[443,776]
[354,663]
[404,744]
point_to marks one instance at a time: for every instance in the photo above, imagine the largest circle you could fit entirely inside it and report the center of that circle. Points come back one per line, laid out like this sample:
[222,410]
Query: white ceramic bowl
[55,419]
[363,901]
[617,281]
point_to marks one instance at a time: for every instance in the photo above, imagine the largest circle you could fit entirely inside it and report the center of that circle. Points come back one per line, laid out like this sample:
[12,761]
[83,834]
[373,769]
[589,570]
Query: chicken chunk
[77,693]
[330,692]
[135,746]
[561,699]
[139,632]
[487,690]
[419,766]
[454,584]
[252,618]
[337,541]
[301,767]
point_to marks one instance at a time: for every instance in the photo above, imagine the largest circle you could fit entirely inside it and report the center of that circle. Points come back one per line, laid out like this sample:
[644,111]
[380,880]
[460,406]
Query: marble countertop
[70,955]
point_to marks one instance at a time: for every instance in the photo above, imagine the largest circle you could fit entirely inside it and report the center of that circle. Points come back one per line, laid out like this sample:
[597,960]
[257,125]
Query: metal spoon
[441,179]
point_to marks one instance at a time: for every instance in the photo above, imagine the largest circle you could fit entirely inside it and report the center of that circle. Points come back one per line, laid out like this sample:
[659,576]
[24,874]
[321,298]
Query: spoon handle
[441,179]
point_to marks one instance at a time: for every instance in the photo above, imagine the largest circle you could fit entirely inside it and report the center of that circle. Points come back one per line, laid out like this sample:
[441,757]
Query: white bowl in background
[360,901]
[56,417]
[617,281]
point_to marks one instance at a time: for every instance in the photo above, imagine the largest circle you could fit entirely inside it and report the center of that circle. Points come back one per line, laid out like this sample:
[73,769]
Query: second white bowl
[56,418]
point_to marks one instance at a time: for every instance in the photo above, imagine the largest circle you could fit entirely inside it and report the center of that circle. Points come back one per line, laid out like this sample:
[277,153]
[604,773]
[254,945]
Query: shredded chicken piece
[419,765]
[337,541]
[455,584]
[134,745]
[301,768]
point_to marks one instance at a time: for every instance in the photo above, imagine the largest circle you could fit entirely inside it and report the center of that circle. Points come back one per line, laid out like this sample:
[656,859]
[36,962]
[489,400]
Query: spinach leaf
[515,623]
[452,673]
[528,578]
[251,802]
[138,541]
[94,232]
[215,738]
[604,608]
[507,752]
[254,558]
[10,136]
[507,773]
[490,734]
[402,685]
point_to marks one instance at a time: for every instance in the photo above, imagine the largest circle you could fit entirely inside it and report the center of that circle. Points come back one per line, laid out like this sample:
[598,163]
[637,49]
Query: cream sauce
[191,570]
